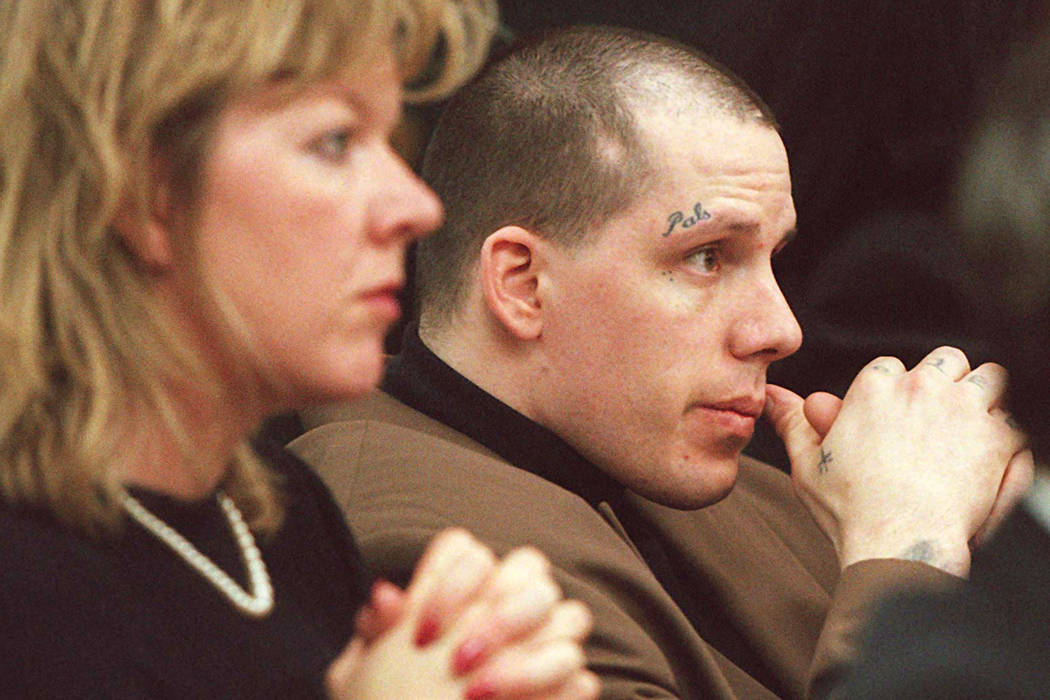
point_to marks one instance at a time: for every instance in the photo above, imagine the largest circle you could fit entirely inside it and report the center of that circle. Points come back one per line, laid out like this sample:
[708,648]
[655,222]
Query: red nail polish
[482,690]
[427,631]
[469,655]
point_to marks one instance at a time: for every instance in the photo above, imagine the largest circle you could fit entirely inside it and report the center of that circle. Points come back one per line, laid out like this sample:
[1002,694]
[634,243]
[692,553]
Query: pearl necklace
[259,602]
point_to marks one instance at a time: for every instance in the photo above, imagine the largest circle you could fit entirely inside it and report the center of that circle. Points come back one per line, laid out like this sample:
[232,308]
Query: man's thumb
[784,409]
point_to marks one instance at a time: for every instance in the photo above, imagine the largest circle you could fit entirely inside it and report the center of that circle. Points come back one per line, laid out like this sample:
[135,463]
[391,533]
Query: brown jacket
[781,616]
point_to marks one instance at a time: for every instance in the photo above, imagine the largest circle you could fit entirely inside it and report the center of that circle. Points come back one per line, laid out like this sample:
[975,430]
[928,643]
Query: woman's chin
[341,380]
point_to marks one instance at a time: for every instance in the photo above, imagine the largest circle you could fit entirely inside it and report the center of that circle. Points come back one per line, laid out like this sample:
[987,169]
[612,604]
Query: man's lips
[735,416]
[750,406]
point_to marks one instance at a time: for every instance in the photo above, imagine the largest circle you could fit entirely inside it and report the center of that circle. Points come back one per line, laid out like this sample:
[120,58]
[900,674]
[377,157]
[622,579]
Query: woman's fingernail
[469,655]
[427,631]
[482,690]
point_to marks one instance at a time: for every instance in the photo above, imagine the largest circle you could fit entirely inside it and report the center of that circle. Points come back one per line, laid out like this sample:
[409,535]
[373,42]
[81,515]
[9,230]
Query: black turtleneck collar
[420,379]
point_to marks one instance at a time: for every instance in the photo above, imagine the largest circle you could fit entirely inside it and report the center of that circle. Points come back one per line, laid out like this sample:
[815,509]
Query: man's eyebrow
[741,226]
[744,226]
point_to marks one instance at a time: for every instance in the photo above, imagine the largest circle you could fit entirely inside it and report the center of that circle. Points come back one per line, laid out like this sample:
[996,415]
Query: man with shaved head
[595,322]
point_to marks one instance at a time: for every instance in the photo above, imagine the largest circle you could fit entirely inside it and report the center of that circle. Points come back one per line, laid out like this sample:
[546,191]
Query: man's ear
[512,260]
[148,234]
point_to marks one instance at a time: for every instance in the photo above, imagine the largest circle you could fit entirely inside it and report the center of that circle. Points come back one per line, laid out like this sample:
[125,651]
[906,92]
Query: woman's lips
[383,303]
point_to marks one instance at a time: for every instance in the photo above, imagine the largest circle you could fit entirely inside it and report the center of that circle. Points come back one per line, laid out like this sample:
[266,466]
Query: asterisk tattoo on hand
[825,460]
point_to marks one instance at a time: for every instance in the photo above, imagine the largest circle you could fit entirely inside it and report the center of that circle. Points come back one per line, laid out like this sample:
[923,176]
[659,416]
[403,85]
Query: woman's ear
[512,262]
[148,234]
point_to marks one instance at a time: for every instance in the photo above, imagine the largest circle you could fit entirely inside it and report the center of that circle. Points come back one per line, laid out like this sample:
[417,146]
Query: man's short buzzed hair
[546,138]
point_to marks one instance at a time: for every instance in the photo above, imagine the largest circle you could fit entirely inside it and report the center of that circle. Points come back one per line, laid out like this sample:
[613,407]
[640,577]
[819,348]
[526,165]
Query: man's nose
[768,329]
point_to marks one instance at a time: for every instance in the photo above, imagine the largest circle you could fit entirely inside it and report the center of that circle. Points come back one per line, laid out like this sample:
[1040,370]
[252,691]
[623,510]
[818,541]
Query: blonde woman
[202,222]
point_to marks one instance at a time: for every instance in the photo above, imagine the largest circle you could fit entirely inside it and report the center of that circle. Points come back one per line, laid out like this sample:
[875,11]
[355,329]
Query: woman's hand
[468,627]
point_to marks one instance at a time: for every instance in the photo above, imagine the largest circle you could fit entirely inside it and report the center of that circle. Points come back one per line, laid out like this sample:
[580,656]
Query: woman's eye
[333,145]
[707,259]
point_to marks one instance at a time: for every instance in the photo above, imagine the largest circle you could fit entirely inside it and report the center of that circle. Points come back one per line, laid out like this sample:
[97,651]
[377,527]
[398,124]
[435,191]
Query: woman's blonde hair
[92,92]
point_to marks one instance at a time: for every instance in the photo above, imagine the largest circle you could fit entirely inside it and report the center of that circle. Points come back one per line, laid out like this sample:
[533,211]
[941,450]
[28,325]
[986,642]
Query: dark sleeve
[987,639]
[57,641]
[945,646]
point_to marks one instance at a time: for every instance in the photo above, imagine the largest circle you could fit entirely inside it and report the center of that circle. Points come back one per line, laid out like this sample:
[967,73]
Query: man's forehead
[724,143]
[696,213]
[704,172]
[659,114]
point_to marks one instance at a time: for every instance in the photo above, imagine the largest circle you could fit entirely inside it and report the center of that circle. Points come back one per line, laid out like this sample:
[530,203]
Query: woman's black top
[127,618]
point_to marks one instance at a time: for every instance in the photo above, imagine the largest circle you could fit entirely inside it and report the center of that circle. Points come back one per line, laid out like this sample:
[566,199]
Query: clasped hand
[912,464]
[468,626]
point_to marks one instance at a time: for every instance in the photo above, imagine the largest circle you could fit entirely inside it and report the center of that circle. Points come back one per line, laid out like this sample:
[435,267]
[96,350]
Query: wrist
[951,555]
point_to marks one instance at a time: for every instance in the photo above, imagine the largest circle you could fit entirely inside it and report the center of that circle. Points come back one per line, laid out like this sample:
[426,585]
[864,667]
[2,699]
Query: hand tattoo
[922,551]
[978,380]
[825,460]
[938,364]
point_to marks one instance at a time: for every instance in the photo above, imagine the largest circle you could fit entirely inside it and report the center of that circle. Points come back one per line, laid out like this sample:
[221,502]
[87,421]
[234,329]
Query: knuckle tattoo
[938,364]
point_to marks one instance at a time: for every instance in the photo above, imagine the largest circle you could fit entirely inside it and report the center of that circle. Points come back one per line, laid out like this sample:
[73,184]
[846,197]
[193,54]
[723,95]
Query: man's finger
[821,409]
[990,380]
[784,409]
[950,362]
[1017,479]
[885,365]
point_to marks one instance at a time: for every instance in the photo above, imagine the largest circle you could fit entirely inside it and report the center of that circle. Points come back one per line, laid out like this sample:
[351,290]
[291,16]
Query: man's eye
[333,145]
[706,259]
